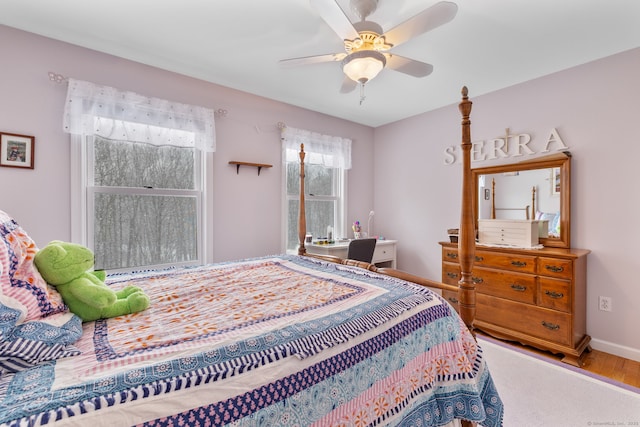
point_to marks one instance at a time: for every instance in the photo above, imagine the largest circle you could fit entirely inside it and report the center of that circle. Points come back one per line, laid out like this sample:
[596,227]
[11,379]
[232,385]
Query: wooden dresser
[533,296]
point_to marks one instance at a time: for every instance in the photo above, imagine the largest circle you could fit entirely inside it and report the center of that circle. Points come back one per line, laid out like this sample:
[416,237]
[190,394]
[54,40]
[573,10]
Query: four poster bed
[349,345]
[529,210]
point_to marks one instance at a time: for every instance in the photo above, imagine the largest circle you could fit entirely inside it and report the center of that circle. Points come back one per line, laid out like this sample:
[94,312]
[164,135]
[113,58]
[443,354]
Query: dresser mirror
[538,189]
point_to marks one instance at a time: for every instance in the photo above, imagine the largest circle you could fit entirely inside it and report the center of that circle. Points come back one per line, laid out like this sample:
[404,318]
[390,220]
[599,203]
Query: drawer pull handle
[477,279]
[518,263]
[452,275]
[452,255]
[554,268]
[453,300]
[550,326]
[479,259]
[553,294]
[518,288]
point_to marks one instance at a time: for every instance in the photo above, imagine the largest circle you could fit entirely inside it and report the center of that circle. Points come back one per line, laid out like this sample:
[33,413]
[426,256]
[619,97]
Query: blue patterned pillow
[35,325]
[23,345]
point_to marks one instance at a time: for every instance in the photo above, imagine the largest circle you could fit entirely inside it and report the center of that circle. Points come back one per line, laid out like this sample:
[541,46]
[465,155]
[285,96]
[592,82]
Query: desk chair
[361,249]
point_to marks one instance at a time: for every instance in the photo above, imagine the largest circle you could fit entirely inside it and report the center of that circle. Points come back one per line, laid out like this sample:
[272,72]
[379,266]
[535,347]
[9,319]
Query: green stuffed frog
[66,266]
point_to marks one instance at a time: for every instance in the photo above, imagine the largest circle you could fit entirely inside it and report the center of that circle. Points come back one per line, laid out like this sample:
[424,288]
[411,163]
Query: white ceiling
[489,45]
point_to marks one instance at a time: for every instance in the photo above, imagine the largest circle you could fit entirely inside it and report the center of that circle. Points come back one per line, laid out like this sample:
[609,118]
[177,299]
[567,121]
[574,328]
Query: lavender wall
[245,212]
[594,108]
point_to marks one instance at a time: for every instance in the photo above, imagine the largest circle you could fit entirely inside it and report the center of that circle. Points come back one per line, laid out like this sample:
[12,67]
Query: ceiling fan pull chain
[362,97]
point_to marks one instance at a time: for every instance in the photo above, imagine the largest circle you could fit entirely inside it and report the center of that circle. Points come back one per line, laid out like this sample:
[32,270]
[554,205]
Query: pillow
[554,226]
[554,221]
[23,345]
[35,325]
[19,278]
[546,216]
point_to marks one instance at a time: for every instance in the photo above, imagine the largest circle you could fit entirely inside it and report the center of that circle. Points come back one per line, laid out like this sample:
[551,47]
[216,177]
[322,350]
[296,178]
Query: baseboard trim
[616,349]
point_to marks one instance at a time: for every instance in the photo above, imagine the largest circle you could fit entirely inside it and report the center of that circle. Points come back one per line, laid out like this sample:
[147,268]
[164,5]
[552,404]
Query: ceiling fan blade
[348,85]
[306,60]
[333,15]
[408,66]
[430,18]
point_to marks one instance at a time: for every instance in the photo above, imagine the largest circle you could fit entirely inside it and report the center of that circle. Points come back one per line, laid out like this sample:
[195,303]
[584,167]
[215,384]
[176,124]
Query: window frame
[340,196]
[83,191]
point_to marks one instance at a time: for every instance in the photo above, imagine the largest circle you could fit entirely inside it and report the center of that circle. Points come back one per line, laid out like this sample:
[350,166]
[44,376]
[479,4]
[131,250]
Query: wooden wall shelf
[255,165]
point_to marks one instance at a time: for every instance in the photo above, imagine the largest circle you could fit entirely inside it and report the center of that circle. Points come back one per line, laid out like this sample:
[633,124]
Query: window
[137,184]
[323,201]
[143,203]
[326,161]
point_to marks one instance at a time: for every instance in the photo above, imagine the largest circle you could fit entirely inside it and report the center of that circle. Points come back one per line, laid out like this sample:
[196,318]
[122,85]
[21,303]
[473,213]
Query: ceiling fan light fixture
[363,65]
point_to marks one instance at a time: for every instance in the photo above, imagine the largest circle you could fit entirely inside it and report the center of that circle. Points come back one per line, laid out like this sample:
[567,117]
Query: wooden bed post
[467,237]
[493,198]
[302,216]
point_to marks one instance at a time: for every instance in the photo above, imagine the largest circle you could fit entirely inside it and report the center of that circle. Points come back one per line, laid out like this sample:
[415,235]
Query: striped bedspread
[273,341]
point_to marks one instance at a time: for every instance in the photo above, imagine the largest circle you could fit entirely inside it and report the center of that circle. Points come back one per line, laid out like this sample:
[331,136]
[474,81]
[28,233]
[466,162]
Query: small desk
[383,256]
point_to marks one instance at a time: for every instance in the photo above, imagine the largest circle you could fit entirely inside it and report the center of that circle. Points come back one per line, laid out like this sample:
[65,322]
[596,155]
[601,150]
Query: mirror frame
[560,160]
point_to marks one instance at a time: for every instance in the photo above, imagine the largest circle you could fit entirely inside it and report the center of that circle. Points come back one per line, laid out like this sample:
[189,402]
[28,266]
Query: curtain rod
[60,79]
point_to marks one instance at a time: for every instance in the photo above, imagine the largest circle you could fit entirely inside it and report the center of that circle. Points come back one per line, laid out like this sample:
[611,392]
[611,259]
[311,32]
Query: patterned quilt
[272,341]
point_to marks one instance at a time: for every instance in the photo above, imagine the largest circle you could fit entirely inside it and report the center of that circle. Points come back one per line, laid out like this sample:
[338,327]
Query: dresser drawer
[555,267]
[451,297]
[450,254]
[520,233]
[539,322]
[504,284]
[450,273]
[511,262]
[555,294]
[499,237]
[384,253]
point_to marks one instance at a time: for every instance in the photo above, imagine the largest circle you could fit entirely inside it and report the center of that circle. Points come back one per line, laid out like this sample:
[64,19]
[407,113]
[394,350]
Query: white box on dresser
[521,233]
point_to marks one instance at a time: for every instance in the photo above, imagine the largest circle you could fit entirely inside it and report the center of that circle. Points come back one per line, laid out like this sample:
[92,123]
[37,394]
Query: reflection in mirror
[537,189]
[525,194]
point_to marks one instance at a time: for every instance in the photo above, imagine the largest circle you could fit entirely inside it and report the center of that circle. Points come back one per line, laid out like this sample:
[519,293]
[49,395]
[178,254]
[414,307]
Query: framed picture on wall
[555,181]
[16,151]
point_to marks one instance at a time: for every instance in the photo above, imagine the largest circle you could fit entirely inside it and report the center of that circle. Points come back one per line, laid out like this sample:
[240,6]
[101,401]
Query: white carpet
[542,392]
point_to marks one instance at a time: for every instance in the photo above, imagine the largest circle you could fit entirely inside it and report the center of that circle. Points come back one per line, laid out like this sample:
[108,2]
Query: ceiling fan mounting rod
[363,8]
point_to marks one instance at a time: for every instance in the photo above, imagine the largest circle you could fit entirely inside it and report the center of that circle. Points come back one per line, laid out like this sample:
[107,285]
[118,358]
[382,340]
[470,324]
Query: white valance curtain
[92,109]
[329,151]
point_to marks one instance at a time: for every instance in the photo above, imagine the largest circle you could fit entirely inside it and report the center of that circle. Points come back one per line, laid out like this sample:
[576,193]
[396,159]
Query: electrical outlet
[604,303]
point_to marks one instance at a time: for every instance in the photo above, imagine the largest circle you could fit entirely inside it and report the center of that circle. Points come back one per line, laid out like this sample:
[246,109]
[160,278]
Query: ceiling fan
[367,47]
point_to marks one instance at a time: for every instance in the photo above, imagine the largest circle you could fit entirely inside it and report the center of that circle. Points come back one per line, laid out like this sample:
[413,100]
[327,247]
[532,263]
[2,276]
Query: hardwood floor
[614,367]
[598,362]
